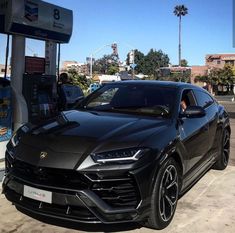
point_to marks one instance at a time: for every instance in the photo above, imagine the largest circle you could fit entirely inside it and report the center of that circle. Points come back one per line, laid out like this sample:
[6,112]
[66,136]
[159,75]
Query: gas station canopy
[36,19]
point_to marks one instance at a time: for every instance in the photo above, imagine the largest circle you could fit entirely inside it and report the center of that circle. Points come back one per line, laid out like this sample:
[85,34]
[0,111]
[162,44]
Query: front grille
[118,191]
[50,176]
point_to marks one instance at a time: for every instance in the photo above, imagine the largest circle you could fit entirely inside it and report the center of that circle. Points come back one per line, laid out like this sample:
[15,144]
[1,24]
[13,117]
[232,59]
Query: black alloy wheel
[168,193]
[164,196]
[223,159]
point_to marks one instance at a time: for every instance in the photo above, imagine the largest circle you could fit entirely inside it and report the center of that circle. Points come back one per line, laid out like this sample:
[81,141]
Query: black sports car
[126,154]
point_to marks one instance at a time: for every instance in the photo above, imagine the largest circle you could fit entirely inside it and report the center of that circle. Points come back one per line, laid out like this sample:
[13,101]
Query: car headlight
[122,156]
[15,139]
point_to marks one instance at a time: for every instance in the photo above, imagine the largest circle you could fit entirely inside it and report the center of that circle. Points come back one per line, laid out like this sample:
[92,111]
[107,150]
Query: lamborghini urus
[126,153]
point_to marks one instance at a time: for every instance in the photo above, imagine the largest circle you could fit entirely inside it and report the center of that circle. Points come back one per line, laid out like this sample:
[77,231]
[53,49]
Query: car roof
[180,85]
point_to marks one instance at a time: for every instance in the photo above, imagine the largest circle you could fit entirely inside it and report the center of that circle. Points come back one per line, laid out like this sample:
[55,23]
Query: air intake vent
[117,191]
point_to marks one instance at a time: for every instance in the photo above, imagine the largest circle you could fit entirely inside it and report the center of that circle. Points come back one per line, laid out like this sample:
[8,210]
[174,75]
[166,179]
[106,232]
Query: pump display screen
[34,65]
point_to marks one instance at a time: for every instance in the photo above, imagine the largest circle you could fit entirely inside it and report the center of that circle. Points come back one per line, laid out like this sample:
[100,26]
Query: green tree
[203,79]
[224,76]
[179,11]
[79,80]
[184,62]
[149,64]
[228,75]
[219,77]
[153,61]
[112,69]
[108,64]
[181,76]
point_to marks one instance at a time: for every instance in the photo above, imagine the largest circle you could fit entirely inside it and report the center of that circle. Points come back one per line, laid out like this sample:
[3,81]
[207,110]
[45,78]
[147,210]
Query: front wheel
[223,158]
[164,196]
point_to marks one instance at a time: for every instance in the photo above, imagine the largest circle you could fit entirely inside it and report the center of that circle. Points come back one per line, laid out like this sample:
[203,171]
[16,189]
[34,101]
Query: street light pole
[133,67]
[91,58]
[92,55]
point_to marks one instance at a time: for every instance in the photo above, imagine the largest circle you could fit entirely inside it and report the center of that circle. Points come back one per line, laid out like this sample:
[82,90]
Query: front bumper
[98,197]
[79,206]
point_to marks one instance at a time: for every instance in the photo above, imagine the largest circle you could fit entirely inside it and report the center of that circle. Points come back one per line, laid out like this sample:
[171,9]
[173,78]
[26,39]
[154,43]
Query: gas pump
[39,92]
[33,92]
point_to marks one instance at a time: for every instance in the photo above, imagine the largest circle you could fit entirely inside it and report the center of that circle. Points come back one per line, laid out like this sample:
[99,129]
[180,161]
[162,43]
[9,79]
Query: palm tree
[179,11]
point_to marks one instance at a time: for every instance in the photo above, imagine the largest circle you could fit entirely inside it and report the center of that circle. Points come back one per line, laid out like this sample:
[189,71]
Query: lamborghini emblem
[43,155]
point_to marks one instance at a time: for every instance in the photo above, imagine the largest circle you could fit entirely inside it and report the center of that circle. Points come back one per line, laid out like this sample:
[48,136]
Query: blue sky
[208,28]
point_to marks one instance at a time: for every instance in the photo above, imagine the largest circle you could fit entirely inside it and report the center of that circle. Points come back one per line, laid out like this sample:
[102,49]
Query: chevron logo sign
[31,11]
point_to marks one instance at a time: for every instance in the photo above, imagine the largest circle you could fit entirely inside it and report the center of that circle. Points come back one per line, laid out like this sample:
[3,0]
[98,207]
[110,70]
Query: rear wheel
[223,158]
[164,196]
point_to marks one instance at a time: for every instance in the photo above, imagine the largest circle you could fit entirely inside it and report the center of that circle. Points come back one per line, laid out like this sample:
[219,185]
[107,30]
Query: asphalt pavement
[1,174]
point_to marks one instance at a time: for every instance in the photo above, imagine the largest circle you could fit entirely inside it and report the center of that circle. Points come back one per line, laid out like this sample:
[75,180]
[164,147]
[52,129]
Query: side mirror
[193,112]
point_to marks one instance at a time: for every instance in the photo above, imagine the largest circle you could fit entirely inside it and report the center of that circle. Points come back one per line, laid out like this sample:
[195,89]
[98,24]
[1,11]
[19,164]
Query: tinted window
[203,99]
[103,99]
[133,98]
[188,98]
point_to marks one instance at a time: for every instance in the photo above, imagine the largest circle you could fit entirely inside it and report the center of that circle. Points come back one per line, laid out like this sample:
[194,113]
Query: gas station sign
[37,19]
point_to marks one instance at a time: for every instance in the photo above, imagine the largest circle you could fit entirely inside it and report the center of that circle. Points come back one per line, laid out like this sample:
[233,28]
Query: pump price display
[39,19]
[34,65]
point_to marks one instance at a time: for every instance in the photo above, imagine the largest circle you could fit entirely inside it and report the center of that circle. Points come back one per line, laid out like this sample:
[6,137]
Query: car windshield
[147,99]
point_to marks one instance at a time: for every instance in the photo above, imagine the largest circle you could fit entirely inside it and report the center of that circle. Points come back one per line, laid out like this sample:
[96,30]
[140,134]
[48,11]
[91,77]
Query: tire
[223,157]
[164,196]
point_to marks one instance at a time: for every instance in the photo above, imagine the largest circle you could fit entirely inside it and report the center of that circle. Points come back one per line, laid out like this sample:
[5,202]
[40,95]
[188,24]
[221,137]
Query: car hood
[73,135]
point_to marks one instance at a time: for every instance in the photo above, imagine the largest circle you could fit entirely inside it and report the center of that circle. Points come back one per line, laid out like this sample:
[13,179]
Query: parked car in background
[126,154]
[93,87]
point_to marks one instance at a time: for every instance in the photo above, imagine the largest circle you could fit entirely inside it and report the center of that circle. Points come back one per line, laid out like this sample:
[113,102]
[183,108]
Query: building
[81,68]
[198,71]
[108,78]
[2,70]
[219,60]
[212,61]
[123,67]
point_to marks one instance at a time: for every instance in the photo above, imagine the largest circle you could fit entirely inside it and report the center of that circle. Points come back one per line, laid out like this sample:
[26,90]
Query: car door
[194,134]
[210,106]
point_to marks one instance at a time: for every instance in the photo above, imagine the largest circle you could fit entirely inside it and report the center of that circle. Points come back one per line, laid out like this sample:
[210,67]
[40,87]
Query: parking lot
[207,207]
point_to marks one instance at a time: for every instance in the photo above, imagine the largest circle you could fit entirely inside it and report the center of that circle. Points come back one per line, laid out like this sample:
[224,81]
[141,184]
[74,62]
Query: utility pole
[180,41]
[91,58]
[132,62]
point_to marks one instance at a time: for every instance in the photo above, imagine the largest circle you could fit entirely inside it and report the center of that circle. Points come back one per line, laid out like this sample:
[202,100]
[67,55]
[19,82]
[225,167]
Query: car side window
[187,99]
[203,99]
